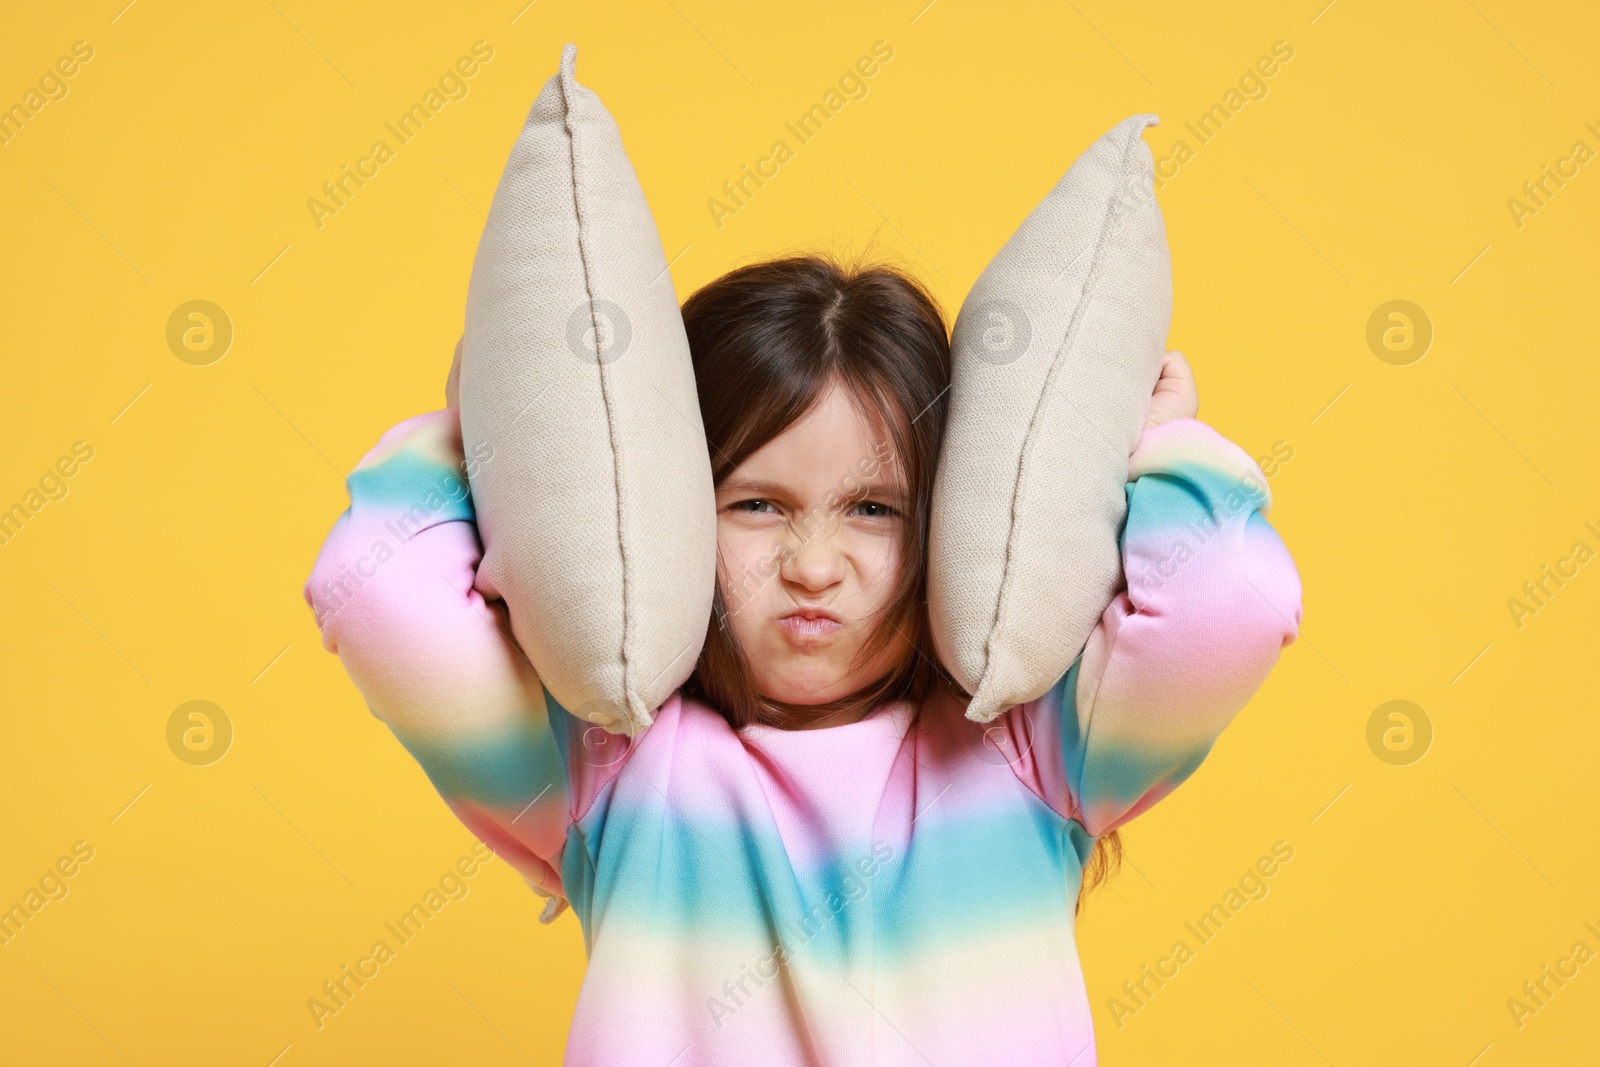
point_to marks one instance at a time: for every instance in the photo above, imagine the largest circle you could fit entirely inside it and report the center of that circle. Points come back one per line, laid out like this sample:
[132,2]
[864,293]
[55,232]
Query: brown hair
[767,341]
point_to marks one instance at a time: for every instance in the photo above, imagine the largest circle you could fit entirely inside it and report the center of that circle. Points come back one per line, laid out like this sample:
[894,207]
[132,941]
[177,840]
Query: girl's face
[808,542]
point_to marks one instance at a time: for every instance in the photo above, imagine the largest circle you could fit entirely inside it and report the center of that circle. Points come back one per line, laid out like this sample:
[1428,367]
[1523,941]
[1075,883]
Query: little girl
[811,856]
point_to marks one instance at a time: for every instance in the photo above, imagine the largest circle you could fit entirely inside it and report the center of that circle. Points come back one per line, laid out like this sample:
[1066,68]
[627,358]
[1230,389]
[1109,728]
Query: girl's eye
[752,506]
[884,511]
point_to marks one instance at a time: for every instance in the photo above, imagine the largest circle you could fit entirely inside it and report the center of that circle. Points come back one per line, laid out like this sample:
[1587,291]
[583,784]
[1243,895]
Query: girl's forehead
[834,444]
[837,412]
[818,472]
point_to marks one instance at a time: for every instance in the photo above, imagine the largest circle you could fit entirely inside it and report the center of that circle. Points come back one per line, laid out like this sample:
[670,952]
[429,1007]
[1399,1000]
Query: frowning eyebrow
[853,487]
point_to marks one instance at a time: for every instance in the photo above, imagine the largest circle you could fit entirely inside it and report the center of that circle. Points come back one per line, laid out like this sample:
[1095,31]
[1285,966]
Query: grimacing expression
[810,525]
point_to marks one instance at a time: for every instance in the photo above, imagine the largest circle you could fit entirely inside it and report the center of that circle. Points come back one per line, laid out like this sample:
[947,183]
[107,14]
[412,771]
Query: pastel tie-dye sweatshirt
[899,890]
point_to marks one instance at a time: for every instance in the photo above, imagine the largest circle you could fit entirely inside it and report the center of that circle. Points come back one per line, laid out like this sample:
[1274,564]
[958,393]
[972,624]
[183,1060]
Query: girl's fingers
[1174,365]
[1175,396]
[1183,378]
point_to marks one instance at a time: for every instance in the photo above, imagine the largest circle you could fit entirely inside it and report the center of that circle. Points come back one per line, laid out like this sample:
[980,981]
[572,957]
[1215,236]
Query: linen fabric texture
[1055,353]
[591,478]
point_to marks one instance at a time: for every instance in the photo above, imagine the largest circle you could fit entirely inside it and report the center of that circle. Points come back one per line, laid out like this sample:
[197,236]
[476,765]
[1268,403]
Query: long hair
[768,340]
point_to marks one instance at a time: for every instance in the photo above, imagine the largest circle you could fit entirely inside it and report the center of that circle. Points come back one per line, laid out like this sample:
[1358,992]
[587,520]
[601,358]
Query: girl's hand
[452,384]
[1175,396]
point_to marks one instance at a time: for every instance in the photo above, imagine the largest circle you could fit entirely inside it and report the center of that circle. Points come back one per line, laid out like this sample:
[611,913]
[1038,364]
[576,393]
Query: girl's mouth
[810,623]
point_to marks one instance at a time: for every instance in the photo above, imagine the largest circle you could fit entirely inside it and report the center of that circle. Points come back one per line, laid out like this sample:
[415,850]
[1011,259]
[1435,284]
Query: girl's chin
[797,697]
[801,690]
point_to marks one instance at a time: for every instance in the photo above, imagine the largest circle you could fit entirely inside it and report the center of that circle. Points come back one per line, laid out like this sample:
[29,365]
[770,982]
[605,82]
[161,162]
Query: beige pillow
[1055,353]
[595,500]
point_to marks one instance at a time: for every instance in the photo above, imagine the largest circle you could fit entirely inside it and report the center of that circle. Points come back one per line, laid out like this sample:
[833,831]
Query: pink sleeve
[1211,597]
[394,596]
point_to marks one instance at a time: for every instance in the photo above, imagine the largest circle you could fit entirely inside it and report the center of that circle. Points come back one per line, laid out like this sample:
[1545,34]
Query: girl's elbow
[1242,601]
[1263,599]
[1258,586]
[333,583]
[350,595]
[406,599]
[1244,589]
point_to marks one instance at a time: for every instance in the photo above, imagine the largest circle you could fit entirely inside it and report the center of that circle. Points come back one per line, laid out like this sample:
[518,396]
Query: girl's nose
[813,563]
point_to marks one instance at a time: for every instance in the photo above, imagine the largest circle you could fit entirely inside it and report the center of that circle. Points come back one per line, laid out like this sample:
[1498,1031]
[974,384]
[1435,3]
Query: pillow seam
[605,400]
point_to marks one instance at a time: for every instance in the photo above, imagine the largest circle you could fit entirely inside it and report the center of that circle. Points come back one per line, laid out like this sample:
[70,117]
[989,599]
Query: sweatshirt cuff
[416,471]
[1181,445]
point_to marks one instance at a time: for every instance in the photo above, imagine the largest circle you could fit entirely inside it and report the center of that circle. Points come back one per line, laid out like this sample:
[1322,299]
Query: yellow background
[1377,168]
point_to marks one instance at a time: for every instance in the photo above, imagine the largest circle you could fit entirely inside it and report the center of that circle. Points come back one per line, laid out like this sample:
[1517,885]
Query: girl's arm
[1212,597]
[394,596]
